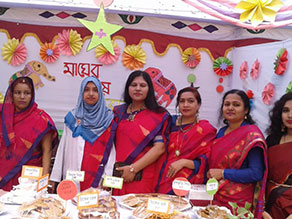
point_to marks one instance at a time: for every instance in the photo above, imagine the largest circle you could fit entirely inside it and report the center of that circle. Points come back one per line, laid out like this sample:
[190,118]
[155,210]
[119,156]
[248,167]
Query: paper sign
[181,186]
[156,205]
[212,186]
[43,182]
[67,189]
[76,176]
[31,172]
[87,200]
[113,182]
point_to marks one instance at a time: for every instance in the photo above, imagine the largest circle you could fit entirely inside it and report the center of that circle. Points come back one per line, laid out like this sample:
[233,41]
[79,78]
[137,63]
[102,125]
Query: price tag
[42,182]
[156,205]
[31,172]
[67,189]
[76,176]
[181,186]
[113,182]
[212,186]
[87,200]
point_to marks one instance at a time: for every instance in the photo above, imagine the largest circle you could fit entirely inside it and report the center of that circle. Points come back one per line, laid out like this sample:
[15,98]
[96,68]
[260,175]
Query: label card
[113,182]
[31,172]
[67,189]
[87,200]
[74,175]
[156,205]
[181,186]
[212,186]
[43,182]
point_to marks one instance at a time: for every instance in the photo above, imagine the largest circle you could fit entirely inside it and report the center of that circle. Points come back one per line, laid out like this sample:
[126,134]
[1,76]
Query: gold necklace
[132,114]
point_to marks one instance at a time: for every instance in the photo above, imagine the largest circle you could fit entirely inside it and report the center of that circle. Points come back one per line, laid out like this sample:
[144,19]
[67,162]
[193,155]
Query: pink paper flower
[69,42]
[254,73]
[14,52]
[105,57]
[243,70]
[268,93]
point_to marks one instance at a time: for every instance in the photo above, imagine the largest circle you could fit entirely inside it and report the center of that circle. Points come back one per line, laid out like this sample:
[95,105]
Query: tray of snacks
[212,212]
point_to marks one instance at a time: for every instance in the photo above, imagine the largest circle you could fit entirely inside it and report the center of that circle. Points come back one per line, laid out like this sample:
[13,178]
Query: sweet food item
[214,212]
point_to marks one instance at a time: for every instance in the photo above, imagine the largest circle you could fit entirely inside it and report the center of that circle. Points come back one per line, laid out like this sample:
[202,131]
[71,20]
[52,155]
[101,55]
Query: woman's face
[138,89]
[188,104]
[21,96]
[233,108]
[90,93]
[287,114]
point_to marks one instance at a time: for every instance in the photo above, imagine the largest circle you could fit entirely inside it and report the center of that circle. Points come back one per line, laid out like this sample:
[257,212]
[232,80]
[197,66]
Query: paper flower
[222,66]
[243,70]
[14,52]
[268,93]
[280,63]
[257,11]
[69,42]
[1,98]
[134,57]
[191,57]
[249,93]
[105,57]
[289,88]
[49,52]
[254,72]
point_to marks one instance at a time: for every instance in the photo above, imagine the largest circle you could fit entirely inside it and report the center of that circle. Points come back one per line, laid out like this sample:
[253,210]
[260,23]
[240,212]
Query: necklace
[132,114]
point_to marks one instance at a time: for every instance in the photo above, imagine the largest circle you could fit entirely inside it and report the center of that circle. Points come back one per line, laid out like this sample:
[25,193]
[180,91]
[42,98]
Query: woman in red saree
[140,136]
[189,143]
[279,141]
[26,133]
[238,156]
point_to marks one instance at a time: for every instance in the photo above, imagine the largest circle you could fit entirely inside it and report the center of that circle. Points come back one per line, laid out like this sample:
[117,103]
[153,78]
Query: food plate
[132,201]
[221,209]
[8,198]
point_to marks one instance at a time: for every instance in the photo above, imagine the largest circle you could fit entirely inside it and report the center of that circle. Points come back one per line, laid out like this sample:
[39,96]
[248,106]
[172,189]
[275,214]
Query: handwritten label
[113,182]
[67,189]
[43,182]
[31,172]
[87,200]
[156,205]
[181,186]
[212,186]
[77,176]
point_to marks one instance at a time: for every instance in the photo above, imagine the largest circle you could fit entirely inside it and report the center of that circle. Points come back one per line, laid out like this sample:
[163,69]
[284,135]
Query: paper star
[101,31]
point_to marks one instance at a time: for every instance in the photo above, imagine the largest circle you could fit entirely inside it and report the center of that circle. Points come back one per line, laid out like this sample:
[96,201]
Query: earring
[245,117]
[283,128]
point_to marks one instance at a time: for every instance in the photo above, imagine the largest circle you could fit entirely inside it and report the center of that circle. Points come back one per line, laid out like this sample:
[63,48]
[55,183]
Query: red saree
[195,145]
[20,134]
[229,152]
[133,140]
[279,203]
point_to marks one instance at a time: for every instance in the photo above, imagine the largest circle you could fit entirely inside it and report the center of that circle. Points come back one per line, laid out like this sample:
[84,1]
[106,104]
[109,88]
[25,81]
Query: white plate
[7,198]
[196,209]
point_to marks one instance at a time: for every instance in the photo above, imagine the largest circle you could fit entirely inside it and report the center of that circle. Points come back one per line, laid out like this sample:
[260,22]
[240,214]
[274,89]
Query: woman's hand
[175,167]
[52,187]
[215,173]
[127,175]
[266,215]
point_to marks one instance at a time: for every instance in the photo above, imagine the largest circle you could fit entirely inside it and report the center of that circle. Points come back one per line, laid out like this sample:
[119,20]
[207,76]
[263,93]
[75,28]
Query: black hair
[23,80]
[189,89]
[245,101]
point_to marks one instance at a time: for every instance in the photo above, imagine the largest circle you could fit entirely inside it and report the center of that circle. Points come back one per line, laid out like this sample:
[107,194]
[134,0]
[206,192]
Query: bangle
[132,170]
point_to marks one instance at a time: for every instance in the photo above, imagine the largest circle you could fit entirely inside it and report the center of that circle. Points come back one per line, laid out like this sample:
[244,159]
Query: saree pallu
[279,185]
[194,144]
[29,128]
[133,140]
[95,158]
[229,152]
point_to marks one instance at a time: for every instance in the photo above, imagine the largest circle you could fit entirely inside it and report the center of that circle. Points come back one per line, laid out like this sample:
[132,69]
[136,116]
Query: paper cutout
[257,11]
[254,73]
[191,57]
[281,61]
[67,189]
[105,3]
[222,66]
[181,186]
[212,186]
[105,57]
[113,182]
[14,52]
[101,31]
[288,89]
[87,199]
[69,42]
[155,205]
[31,172]
[1,98]
[268,93]
[74,175]
[49,52]
[133,57]
[243,70]
[42,182]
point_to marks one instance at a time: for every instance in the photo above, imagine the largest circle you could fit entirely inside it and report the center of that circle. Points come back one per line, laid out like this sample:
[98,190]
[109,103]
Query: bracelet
[132,170]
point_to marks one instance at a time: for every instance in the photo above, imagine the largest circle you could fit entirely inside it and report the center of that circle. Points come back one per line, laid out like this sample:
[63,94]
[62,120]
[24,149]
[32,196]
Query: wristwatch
[132,170]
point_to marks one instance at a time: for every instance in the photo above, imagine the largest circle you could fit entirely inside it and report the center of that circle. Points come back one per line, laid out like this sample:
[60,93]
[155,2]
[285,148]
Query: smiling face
[188,105]
[22,95]
[90,93]
[287,114]
[233,109]
[138,89]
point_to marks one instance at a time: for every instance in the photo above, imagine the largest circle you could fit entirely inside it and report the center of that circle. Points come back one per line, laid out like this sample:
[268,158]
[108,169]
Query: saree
[279,185]
[229,152]
[20,134]
[193,144]
[133,140]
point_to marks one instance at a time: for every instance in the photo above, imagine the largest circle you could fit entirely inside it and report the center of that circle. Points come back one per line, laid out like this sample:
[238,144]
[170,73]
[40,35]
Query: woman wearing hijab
[87,140]
[26,133]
